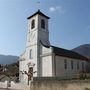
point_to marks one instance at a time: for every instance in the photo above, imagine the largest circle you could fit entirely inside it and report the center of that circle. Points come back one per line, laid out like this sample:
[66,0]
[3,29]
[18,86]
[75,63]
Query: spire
[38,11]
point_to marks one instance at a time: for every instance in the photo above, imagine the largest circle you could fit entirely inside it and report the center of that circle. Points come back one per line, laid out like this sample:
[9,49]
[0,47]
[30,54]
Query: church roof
[40,13]
[68,53]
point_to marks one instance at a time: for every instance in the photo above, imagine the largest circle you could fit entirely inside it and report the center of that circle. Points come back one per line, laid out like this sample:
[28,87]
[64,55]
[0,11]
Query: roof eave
[40,13]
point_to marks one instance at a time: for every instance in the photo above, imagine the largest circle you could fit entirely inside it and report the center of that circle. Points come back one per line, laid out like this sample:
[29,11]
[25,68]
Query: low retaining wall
[52,84]
[3,84]
[19,86]
[13,85]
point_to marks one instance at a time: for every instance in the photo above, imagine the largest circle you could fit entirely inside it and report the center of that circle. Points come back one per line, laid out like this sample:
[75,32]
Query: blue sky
[69,25]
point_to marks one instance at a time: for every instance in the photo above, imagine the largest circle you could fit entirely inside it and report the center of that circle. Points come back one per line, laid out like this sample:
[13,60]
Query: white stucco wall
[30,40]
[23,67]
[43,34]
[47,66]
[69,72]
[46,61]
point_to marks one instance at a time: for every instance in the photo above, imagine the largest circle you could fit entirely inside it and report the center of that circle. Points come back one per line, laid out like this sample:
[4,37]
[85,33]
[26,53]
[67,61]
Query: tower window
[42,24]
[30,54]
[33,24]
[65,64]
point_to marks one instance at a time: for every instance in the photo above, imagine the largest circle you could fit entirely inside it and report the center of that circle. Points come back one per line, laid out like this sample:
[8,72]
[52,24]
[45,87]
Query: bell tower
[37,29]
[37,33]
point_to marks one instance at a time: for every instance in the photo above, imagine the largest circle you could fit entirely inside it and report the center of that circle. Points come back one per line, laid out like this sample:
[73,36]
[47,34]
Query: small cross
[38,4]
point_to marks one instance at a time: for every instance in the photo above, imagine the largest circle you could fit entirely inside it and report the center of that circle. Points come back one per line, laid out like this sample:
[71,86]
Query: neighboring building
[45,59]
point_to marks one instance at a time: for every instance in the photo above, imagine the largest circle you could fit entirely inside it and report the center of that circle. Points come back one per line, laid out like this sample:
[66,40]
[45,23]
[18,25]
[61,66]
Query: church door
[30,73]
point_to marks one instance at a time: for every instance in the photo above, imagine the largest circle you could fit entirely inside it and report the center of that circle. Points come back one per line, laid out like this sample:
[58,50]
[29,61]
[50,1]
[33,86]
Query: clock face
[28,37]
[32,36]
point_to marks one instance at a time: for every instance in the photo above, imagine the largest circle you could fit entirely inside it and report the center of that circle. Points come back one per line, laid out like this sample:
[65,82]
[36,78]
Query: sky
[69,25]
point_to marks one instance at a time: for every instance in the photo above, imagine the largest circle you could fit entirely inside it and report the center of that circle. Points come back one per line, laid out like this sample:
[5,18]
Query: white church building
[44,59]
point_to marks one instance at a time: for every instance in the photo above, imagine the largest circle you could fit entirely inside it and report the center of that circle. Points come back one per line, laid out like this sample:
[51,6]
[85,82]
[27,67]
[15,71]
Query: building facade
[43,59]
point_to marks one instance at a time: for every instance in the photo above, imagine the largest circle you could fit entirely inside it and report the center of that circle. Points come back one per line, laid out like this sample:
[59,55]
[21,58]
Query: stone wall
[13,86]
[3,84]
[60,84]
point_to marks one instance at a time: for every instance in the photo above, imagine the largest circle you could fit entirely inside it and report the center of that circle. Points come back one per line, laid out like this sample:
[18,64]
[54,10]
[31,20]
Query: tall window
[82,65]
[42,24]
[33,24]
[65,64]
[71,64]
[30,54]
[77,65]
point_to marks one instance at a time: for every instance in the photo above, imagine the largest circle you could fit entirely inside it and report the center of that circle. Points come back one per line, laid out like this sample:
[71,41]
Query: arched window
[30,54]
[33,24]
[42,24]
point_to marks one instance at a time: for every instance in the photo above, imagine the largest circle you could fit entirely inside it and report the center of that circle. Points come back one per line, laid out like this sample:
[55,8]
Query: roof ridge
[68,53]
[40,13]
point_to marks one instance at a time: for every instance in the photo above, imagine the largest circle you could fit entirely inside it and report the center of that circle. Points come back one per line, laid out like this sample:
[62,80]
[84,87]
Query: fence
[48,82]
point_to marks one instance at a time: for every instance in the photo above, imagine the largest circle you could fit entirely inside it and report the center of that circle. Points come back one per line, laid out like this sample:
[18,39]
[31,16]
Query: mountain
[83,50]
[8,59]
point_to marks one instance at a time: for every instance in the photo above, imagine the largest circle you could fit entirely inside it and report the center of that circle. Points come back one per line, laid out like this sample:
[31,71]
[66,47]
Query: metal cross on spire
[38,5]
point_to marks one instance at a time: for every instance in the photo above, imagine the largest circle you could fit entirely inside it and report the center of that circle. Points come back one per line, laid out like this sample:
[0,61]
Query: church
[43,59]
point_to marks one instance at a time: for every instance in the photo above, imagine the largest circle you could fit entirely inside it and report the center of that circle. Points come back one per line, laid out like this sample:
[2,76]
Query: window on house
[65,64]
[77,65]
[42,24]
[30,54]
[33,24]
[71,64]
[82,65]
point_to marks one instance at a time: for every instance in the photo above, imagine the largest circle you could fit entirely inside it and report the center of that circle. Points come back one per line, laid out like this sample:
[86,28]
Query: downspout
[54,62]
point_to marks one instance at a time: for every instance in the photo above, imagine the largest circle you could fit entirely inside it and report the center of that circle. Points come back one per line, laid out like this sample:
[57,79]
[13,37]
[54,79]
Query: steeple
[37,33]
[38,29]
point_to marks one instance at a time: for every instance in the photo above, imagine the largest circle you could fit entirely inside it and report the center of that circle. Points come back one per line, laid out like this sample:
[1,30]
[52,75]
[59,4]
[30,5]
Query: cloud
[88,27]
[57,9]
[52,9]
